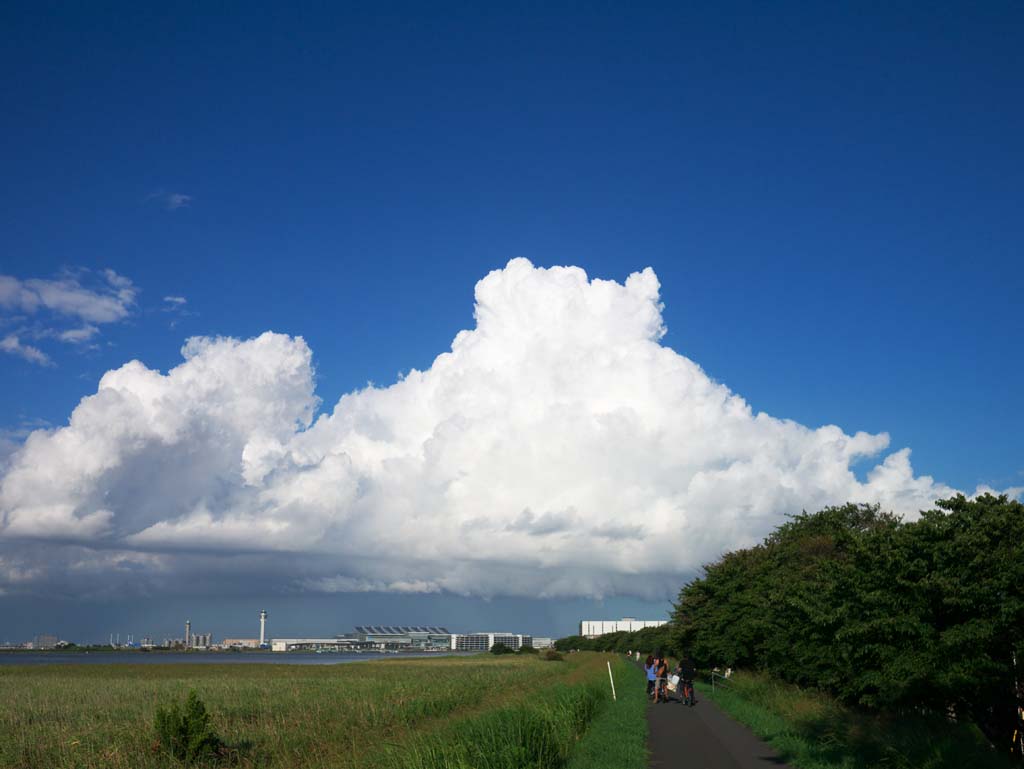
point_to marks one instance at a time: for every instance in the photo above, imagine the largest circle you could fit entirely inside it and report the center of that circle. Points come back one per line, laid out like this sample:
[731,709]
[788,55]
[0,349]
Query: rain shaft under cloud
[558,449]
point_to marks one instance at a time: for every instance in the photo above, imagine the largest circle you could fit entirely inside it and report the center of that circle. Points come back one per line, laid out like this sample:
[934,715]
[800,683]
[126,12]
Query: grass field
[617,737]
[478,712]
[813,731]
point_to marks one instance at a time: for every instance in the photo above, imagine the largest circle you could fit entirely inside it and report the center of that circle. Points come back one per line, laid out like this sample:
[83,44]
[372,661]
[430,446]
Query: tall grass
[617,737]
[812,731]
[539,732]
[93,716]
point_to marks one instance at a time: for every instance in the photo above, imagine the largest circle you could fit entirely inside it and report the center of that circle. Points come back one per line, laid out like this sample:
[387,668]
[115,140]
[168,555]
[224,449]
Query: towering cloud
[558,449]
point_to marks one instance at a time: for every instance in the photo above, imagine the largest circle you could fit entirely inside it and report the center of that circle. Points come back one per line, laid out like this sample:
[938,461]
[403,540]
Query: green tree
[975,591]
[186,733]
[575,642]
[889,615]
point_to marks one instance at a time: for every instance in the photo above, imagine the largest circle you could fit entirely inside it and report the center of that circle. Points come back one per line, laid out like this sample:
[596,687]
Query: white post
[611,679]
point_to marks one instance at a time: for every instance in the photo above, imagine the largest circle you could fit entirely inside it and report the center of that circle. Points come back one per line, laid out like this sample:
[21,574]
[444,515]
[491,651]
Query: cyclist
[686,673]
[660,678]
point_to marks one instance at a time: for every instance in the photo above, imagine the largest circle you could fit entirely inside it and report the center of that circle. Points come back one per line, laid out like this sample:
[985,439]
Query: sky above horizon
[488,318]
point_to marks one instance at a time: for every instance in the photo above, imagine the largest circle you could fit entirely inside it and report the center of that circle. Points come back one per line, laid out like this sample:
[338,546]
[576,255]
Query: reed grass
[269,716]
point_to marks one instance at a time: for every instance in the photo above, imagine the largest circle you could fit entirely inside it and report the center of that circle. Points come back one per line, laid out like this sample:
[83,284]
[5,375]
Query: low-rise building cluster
[409,638]
[374,638]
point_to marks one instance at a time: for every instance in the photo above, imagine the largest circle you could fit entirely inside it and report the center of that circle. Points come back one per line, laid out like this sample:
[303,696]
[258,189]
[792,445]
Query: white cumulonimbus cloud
[558,449]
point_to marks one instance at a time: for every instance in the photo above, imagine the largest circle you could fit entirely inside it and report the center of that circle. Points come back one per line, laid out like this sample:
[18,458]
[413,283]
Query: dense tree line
[648,640]
[887,615]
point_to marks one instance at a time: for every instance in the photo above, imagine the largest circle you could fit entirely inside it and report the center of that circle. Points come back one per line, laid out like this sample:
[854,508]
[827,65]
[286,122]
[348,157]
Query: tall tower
[188,634]
[263,627]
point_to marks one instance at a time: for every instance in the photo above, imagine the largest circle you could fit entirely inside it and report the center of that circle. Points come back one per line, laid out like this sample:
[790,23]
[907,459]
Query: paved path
[703,737]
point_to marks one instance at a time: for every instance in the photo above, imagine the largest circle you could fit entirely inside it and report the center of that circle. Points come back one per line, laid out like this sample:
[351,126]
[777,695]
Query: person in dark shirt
[686,672]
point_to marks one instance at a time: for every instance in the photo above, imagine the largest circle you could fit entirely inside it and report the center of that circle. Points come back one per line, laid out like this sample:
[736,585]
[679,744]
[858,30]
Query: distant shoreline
[107,650]
[30,657]
[155,650]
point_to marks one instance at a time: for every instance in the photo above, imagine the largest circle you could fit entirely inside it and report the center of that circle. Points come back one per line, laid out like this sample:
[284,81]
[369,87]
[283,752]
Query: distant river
[219,658]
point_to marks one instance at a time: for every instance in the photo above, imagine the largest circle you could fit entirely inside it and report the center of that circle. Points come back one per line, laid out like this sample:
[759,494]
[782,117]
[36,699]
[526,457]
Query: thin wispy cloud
[42,308]
[170,201]
[178,308]
[78,335]
[12,345]
[109,301]
[177,200]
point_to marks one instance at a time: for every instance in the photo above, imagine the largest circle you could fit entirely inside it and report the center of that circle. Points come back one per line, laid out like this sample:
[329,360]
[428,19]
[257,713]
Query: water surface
[217,658]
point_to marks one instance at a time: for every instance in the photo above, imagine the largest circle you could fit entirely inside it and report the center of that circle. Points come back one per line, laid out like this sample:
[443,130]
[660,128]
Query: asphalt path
[703,737]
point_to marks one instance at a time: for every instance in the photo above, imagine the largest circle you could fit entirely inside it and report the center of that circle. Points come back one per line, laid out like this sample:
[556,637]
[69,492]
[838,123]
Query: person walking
[649,670]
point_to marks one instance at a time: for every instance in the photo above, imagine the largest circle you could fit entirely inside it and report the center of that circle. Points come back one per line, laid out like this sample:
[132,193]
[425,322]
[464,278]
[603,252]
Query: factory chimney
[188,634]
[263,628]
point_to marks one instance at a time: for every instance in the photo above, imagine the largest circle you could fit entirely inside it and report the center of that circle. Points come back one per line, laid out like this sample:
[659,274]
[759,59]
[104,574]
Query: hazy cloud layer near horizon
[558,449]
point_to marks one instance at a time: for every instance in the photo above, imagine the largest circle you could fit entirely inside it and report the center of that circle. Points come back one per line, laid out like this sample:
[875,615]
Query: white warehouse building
[591,628]
[482,642]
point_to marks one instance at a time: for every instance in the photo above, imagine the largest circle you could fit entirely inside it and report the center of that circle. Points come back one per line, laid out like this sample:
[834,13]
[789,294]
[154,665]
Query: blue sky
[829,196]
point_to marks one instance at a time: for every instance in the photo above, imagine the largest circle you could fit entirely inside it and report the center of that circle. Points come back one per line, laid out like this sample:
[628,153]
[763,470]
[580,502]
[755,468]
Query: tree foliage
[926,615]
[186,733]
[648,640]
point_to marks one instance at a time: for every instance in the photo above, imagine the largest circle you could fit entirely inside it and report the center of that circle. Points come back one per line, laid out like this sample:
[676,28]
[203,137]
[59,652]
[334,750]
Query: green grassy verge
[538,732]
[479,712]
[813,731]
[617,737]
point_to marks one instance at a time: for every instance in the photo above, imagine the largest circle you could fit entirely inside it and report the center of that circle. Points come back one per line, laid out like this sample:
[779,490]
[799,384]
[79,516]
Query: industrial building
[543,643]
[240,643]
[336,644]
[374,638]
[482,642]
[406,637]
[411,638]
[201,641]
[591,628]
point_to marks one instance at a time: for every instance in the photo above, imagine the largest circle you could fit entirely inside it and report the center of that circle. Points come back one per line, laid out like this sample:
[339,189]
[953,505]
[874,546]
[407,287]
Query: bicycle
[686,687]
[1017,743]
